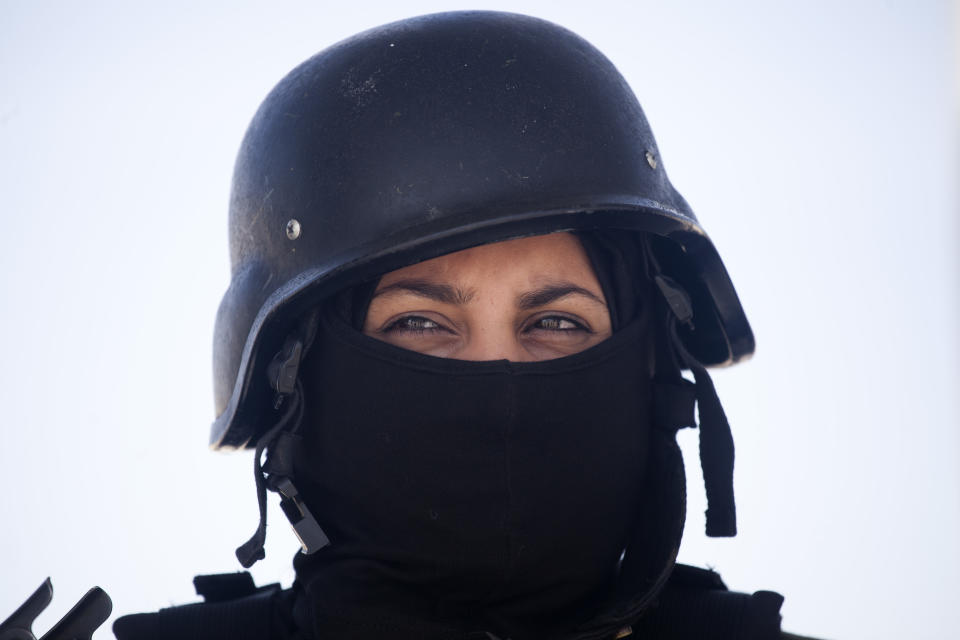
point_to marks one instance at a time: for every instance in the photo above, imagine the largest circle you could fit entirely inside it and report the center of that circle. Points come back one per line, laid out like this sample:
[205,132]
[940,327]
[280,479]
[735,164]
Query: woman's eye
[557,323]
[413,324]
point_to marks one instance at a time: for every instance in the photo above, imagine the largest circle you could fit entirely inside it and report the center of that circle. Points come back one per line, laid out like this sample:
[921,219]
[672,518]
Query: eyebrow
[546,295]
[426,289]
[448,294]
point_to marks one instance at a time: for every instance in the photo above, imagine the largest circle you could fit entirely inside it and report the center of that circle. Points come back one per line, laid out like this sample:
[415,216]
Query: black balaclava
[477,496]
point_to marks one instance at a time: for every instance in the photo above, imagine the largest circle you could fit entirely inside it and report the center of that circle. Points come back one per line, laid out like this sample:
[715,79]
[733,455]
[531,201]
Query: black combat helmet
[432,135]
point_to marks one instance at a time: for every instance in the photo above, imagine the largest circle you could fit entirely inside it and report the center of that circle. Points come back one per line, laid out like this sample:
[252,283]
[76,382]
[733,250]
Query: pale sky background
[816,140]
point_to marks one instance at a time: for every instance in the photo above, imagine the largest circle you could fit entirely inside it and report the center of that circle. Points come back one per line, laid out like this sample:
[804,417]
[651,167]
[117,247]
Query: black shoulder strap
[685,576]
[259,615]
[220,587]
[696,604]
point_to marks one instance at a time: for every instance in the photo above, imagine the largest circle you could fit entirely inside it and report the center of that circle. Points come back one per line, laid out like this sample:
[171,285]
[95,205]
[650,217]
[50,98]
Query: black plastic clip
[677,299]
[305,526]
[283,369]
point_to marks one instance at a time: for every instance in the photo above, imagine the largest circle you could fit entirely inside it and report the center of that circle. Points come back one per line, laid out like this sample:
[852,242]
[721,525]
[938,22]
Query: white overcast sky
[816,140]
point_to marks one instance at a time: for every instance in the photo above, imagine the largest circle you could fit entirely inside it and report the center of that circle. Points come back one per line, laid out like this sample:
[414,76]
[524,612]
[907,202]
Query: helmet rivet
[651,160]
[293,229]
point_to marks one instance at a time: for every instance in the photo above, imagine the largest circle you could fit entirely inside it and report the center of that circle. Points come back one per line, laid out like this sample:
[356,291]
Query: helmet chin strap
[716,449]
[279,442]
[716,439]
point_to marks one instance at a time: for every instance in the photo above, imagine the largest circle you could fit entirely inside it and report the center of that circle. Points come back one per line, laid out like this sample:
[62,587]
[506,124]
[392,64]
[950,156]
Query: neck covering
[496,495]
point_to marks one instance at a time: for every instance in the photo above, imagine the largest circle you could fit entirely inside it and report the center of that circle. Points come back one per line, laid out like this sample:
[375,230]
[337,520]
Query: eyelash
[403,324]
[558,320]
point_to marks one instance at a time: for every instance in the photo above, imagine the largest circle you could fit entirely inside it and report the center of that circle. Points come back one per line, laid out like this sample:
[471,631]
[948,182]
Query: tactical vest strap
[696,605]
[258,616]
[220,587]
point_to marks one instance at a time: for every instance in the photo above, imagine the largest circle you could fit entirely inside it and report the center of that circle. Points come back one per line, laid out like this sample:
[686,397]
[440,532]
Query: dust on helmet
[432,135]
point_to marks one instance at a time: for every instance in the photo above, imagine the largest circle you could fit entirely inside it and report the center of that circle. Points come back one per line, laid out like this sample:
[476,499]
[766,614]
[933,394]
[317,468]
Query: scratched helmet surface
[432,135]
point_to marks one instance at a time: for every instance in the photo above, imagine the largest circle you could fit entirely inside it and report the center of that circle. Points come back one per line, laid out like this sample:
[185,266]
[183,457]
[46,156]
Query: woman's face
[528,299]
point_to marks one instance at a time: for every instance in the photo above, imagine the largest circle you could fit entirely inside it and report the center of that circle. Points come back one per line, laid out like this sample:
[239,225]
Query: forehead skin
[522,264]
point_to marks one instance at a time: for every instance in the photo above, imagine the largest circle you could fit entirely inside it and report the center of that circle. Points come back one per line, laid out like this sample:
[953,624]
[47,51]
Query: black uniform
[695,604]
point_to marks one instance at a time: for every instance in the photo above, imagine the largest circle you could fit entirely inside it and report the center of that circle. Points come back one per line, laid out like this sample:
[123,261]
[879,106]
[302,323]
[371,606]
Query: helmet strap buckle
[308,531]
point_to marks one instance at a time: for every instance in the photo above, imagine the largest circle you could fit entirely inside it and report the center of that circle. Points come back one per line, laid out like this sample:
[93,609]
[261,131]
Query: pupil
[418,323]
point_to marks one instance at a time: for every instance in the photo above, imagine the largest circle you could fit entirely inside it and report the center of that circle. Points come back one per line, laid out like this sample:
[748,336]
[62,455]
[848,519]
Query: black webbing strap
[716,440]
[252,550]
[259,616]
[716,449]
[219,587]
[696,605]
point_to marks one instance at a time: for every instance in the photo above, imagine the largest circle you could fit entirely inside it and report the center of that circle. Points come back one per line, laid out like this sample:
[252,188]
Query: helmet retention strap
[252,550]
[716,449]
[279,443]
[716,439]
